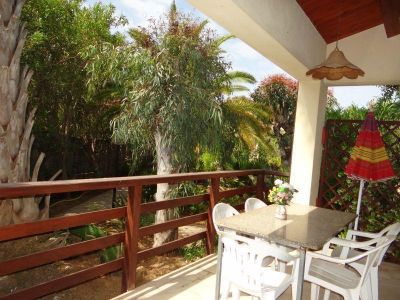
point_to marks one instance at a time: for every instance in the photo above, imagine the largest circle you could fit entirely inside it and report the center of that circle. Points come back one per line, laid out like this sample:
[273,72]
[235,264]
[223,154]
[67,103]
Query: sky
[242,56]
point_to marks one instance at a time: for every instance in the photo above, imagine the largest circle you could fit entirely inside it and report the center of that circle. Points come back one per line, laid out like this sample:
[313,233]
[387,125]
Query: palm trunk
[164,166]
[15,129]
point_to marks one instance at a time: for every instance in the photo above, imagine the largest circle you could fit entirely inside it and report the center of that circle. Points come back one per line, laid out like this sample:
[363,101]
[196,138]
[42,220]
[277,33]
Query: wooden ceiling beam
[391,16]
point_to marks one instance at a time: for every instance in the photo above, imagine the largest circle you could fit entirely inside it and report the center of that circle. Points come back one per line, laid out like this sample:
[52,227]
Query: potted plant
[281,194]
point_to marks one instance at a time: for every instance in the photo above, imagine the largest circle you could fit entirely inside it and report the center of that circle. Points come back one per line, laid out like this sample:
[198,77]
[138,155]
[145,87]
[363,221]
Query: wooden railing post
[214,198]
[260,186]
[132,236]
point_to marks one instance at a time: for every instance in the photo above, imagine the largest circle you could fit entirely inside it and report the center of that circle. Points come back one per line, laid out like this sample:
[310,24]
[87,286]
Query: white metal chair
[346,252]
[245,271]
[253,203]
[335,274]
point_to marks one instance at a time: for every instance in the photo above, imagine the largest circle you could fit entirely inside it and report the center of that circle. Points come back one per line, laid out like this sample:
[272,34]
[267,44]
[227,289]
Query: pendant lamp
[335,67]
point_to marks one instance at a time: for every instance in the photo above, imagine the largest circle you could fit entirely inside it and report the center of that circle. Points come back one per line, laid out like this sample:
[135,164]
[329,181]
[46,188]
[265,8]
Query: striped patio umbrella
[369,160]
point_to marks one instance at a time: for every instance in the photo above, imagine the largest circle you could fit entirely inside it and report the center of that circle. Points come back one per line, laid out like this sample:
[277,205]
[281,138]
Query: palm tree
[249,139]
[15,131]
[235,82]
[251,122]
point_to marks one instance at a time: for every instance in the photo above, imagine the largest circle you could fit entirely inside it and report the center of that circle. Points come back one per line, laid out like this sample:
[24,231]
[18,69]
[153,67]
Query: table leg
[300,274]
[219,266]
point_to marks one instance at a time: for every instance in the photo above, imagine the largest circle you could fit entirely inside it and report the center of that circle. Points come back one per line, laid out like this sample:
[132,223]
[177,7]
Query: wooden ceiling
[342,18]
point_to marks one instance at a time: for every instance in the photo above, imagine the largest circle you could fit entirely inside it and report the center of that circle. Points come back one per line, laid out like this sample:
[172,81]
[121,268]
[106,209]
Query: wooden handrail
[23,189]
[43,226]
[171,224]
[49,256]
[167,247]
[172,203]
[66,281]
[237,191]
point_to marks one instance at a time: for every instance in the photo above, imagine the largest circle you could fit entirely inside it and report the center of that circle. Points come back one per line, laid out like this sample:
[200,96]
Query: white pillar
[307,141]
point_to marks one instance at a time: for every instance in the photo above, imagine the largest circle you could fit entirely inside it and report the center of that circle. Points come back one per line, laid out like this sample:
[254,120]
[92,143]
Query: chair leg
[374,281]
[294,290]
[366,292]
[314,291]
[225,287]
[327,294]
[353,296]
[235,293]
[282,266]
[268,296]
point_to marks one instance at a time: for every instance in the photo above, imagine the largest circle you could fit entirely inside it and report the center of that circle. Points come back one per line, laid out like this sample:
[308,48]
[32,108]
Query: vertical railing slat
[131,236]
[214,198]
[260,187]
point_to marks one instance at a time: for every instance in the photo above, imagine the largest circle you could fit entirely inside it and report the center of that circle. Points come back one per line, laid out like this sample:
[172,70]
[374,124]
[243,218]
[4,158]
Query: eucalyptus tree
[16,124]
[170,78]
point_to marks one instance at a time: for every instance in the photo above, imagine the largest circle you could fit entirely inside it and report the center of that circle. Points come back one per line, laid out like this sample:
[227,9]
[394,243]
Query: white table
[306,228]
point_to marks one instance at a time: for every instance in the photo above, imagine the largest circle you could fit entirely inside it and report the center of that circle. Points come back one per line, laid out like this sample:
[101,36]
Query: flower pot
[280,212]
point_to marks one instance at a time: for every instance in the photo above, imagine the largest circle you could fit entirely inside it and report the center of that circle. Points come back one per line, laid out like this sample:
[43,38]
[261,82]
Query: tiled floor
[197,281]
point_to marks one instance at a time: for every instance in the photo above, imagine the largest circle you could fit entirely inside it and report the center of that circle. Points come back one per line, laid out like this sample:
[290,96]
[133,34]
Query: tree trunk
[15,129]
[164,166]
[66,161]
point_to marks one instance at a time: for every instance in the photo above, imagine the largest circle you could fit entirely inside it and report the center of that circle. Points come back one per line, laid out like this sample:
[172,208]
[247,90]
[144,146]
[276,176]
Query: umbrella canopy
[369,160]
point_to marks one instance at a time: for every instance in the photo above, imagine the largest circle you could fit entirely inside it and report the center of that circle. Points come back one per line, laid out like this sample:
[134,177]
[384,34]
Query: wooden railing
[132,232]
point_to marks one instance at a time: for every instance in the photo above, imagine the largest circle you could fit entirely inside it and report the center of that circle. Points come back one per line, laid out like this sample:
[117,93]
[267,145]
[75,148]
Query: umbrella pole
[360,191]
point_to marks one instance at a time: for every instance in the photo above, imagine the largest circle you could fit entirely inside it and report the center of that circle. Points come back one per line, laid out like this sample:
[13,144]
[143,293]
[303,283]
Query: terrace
[197,281]
[296,38]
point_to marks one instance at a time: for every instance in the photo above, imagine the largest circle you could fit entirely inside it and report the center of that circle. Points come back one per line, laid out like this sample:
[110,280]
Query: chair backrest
[391,230]
[382,243]
[253,203]
[244,257]
[221,211]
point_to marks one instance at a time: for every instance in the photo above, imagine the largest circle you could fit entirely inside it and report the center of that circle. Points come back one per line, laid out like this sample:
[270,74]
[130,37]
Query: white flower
[287,186]
[278,182]
[282,131]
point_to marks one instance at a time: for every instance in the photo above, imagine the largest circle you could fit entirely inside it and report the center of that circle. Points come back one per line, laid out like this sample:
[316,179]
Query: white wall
[374,53]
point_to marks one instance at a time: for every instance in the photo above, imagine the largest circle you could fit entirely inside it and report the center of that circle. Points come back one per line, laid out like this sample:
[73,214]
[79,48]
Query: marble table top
[307,227]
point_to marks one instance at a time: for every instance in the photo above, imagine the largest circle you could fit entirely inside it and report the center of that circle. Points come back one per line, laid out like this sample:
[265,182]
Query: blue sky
[242,56]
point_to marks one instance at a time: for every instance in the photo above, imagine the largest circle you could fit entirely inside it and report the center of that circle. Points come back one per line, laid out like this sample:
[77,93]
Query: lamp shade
[335,67]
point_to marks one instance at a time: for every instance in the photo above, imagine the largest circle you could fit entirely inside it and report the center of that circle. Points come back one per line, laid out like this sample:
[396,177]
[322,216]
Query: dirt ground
[104,287]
